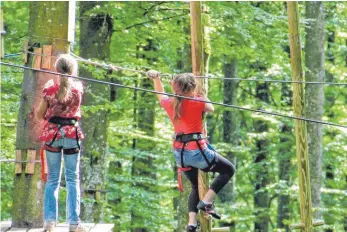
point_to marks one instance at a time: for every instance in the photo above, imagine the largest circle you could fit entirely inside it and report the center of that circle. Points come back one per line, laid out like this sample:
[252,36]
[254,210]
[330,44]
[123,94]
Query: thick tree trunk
[95,38]
[198,69]
[284,164]
[261,196]
[44,28]
[184,65]
[230,132]
[314,96]
[143,166]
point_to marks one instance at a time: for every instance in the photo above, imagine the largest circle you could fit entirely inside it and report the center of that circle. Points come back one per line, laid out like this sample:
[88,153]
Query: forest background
[128,171]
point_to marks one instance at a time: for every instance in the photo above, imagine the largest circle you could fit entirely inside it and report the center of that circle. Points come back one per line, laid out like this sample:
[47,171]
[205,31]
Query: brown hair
[182,84]
[65,64]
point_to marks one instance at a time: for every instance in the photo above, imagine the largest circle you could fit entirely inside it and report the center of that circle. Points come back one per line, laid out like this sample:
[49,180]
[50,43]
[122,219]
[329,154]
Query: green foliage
[256,34]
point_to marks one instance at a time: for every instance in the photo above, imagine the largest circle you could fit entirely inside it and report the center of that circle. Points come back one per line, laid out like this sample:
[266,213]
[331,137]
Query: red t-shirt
[190,120]
[70,109]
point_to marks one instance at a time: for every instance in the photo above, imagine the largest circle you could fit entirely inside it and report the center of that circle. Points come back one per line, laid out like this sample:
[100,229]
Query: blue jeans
[194,158]
[71,162]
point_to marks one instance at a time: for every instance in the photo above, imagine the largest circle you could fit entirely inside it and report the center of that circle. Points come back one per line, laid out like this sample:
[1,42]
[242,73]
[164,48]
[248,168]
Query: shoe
[77,228]
[190,228]
[48,226]
[209,209]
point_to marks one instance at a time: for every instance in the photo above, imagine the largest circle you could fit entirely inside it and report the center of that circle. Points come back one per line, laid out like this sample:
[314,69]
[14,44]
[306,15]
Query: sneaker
[209,209]
[77,228]
[190,228]
[48,226]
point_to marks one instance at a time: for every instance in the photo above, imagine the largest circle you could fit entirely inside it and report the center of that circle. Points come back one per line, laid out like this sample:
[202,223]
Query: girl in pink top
[60,109]
[191,150]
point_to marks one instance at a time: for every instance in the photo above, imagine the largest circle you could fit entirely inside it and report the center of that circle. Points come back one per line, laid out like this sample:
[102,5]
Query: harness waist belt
[63,121]
[185,138]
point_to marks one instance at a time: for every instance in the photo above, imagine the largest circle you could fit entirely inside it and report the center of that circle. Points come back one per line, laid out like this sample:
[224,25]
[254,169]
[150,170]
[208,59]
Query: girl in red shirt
[191,150]
[61,107]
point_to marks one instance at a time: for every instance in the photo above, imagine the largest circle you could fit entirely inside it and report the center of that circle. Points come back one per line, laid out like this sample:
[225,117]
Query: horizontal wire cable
[182,97]
[213,77]
[118,68]
[12,55]
[22,161]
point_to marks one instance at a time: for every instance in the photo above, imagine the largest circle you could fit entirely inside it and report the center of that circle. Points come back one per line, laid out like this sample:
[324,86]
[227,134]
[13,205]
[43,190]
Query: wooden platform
[6,226]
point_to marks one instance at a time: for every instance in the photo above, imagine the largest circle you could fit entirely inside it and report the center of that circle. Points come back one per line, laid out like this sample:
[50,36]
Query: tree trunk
[299,110]
[230,132]
[44,27]
[314,96]
[261,196]
[198,69]
[95,38]
[180,204]
[284,164]
[143,166]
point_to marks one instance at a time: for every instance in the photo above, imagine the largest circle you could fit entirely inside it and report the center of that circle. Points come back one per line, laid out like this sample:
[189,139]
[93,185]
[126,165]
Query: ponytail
[183,84]
[65,64]
[177,103]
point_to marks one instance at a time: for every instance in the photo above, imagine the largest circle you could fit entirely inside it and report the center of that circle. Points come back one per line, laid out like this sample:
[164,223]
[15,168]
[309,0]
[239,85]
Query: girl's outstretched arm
[158,86]
[209,108]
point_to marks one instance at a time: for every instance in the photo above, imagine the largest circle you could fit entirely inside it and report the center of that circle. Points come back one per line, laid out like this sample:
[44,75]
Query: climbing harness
[185,138]
[60,122]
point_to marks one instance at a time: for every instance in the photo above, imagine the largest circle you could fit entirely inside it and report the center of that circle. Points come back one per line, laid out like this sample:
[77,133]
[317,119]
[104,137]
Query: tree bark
[314,96]
[284,164]
[230,132]
[261,196]
[44,28]
[184,65]
[299,110]
[198,69]
[95,39]
[143,166]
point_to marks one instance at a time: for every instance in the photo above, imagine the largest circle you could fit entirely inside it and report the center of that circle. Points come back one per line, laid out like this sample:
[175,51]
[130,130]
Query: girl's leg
[226,170]
[52,186]
[193,199]
[73,200]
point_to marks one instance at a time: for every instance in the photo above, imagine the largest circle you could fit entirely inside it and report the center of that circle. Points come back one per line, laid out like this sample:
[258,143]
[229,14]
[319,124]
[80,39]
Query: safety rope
[174,95]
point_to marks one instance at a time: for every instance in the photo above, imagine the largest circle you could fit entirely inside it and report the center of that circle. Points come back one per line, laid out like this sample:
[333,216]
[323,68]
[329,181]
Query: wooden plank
[37,58]
[46,58]
[25,51]
[63,227]
[35,230]
[221,229]
[102,227]
[30,166]
[18,229]
[89,226]
[302,225]
[18,168]
[5,225]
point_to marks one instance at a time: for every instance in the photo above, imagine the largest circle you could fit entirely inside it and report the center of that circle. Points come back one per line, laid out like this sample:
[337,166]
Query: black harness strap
[185,138]
[182,150]
[71,151]
[61,122]
[203,154]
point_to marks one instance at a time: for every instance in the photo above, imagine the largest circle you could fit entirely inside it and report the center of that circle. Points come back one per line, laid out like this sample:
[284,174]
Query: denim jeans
[71,162]
[194,158]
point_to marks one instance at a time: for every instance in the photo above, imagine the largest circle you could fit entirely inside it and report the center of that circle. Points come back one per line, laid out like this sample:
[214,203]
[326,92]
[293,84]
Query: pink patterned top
[70,109]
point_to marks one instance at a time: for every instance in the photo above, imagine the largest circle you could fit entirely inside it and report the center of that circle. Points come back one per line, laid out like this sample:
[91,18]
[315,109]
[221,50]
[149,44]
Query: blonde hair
[65,64]
[182,84]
